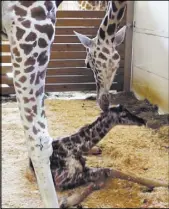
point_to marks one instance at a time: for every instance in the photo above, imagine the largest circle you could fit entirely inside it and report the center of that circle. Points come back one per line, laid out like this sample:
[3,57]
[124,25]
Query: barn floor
[139,150]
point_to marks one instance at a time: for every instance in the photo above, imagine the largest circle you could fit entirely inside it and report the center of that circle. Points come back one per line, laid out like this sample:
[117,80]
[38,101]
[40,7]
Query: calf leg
[96,178]
[93,151]
[88,175]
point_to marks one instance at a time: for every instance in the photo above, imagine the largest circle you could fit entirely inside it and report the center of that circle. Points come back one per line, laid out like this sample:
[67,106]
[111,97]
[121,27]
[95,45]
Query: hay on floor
[138,150]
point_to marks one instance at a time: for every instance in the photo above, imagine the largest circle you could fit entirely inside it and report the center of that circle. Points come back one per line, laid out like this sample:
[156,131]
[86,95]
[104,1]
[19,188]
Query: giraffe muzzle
[103,102]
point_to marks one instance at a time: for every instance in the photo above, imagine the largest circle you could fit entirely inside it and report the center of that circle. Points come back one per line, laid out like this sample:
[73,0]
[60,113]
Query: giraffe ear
[87,42]
[119,37]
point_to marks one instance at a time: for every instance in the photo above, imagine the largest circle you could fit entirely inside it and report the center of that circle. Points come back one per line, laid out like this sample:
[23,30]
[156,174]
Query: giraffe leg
[41,163]
[77,198]
[94,151]
[30,44]
[96,178]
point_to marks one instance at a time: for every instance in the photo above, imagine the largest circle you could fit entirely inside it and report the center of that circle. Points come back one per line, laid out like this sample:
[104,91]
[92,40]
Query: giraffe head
[125,117]
[102,55]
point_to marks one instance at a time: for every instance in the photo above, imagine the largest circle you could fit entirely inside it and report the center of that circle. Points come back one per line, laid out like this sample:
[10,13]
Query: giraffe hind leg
[96,178]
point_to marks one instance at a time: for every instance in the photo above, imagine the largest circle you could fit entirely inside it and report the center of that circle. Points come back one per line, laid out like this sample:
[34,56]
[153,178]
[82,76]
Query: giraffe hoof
[64,203]
[95,151]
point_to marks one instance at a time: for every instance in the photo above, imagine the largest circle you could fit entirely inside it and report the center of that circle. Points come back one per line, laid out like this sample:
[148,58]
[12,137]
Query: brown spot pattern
[26,23]
[20,92]
[42,125]
[29,69]
[34,108]
[42,58]
[47,29]
[102,34]
[29,61]
[27,3]
[19,33]
[39,91]
[27,100]
[49,5]
[16,65]
[38,13]
[111,29]
[35,54]
[35,130]
[31,91]
[31,37]
[23,79]
[115,56]
[42,43]
[16,52]
[27,110]
[29,118]
[32,78]
[19,59]
[105,50]
[17,85]
[43,113]
[40,75]
[20,19]
[16,72]
[102,56]
[27,47]
[19,11]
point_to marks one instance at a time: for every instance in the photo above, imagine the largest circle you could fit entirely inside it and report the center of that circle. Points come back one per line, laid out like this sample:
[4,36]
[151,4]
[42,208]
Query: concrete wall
[150,73]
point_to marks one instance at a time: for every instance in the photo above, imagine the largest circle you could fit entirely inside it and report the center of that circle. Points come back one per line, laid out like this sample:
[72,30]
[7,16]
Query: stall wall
[150,73]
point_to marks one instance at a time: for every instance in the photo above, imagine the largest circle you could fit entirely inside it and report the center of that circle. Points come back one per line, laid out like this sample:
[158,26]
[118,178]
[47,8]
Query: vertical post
[128,45]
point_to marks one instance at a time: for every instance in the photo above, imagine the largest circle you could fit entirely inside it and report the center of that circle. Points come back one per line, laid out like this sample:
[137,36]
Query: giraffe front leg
[30,40]
[40,151]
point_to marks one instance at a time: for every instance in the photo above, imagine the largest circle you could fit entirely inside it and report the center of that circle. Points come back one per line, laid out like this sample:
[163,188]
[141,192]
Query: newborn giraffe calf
[68,165]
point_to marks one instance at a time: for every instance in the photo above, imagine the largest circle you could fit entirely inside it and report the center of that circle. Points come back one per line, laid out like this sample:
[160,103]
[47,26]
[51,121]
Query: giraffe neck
[111,21]
[88,136]
[94,132]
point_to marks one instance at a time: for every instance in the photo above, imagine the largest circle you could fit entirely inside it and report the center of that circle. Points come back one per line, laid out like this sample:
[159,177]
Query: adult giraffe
[30,28]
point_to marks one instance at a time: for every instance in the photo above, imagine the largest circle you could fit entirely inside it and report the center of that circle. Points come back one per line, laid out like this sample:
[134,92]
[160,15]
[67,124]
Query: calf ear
[87,42]
[119,37]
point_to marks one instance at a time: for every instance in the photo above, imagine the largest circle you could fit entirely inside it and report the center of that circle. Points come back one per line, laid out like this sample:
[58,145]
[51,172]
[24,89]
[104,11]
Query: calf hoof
[95,151]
